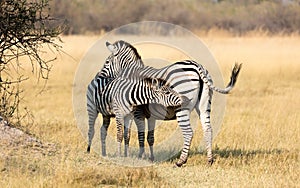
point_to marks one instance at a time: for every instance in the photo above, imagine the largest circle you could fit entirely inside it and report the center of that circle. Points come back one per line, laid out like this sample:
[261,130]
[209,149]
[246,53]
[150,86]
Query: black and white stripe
[120,97]
[187,77]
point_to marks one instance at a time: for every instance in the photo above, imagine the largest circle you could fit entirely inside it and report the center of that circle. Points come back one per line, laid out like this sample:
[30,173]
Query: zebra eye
[168,92]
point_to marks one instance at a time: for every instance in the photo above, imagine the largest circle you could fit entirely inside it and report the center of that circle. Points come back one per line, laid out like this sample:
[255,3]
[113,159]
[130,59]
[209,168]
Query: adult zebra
[120,97]
[186,77]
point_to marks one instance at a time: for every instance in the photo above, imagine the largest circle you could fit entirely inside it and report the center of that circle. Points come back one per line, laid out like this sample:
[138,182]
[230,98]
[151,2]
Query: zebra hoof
[151,159]
[140,156]
[177,165]
[88,149]
[211,161]
[180,163]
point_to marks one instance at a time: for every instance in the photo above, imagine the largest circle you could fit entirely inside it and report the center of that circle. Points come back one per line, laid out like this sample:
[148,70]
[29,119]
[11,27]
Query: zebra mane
[122,42]
[160,82]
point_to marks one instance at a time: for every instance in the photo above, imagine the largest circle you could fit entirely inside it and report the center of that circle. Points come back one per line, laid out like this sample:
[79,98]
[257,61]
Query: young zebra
[120,97]
[187,77]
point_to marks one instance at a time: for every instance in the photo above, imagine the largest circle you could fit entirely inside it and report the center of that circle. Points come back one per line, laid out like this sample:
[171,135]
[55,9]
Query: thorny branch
[26,29]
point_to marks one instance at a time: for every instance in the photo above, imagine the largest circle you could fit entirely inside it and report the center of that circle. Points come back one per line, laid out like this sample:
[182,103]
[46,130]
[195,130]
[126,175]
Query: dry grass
[258,145]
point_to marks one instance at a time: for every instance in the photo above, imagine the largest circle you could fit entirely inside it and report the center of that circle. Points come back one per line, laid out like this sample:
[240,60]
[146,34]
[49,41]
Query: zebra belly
[158,112]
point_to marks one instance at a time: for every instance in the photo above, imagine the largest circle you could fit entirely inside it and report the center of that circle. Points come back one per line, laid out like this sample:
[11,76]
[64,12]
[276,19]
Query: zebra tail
[234,75]
[207,79]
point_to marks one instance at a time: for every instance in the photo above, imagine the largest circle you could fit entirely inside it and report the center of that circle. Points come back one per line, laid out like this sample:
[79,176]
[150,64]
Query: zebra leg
[92,113]
[120,123]
[127,130]
[103,133]
[203,109]
[140,123]
[150,137]
[183,118]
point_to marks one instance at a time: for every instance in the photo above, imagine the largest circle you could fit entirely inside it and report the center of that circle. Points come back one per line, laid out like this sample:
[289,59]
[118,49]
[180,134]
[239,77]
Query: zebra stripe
[187,77]
[121,96]
[95,105]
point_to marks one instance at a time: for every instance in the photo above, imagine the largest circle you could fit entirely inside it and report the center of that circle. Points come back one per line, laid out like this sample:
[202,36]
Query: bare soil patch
[15,141]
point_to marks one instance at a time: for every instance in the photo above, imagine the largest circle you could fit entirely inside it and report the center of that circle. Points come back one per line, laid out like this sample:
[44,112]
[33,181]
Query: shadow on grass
[173,154]
[237,153]
[229,153]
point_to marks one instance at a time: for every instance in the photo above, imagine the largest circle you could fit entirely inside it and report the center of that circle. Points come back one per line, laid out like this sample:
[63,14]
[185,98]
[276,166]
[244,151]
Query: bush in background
[235,16]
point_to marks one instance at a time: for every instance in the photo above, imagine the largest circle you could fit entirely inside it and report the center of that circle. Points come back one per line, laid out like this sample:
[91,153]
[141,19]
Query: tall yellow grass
[258,145]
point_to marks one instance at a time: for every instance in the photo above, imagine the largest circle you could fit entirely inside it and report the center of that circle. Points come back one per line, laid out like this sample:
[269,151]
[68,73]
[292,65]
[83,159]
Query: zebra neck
[153,97]
[136,63]
[150,96]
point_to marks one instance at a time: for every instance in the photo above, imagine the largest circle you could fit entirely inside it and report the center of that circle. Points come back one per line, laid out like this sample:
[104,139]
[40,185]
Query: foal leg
[120,123]
[139,119]
[150,137]
[127,130]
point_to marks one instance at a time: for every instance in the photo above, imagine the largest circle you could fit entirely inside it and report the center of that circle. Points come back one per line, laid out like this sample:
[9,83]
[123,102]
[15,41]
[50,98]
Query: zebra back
[125,61]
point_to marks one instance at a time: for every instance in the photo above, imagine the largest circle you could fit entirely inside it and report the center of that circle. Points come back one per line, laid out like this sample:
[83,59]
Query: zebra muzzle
[185,101]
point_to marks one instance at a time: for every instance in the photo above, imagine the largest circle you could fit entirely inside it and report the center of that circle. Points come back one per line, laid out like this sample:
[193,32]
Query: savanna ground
[258,144]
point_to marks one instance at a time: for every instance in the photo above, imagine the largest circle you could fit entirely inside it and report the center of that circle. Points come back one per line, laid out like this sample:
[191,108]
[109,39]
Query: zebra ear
[111,47]
[155,84]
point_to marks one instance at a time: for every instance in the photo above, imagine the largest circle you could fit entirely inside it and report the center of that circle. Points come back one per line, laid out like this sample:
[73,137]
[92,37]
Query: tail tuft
[234,75]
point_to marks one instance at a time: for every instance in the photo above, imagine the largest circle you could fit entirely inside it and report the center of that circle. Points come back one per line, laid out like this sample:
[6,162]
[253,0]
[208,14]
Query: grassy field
[258,144]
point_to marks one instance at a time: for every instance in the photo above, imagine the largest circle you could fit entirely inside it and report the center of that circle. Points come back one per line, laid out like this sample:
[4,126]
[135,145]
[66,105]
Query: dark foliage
[25,28]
